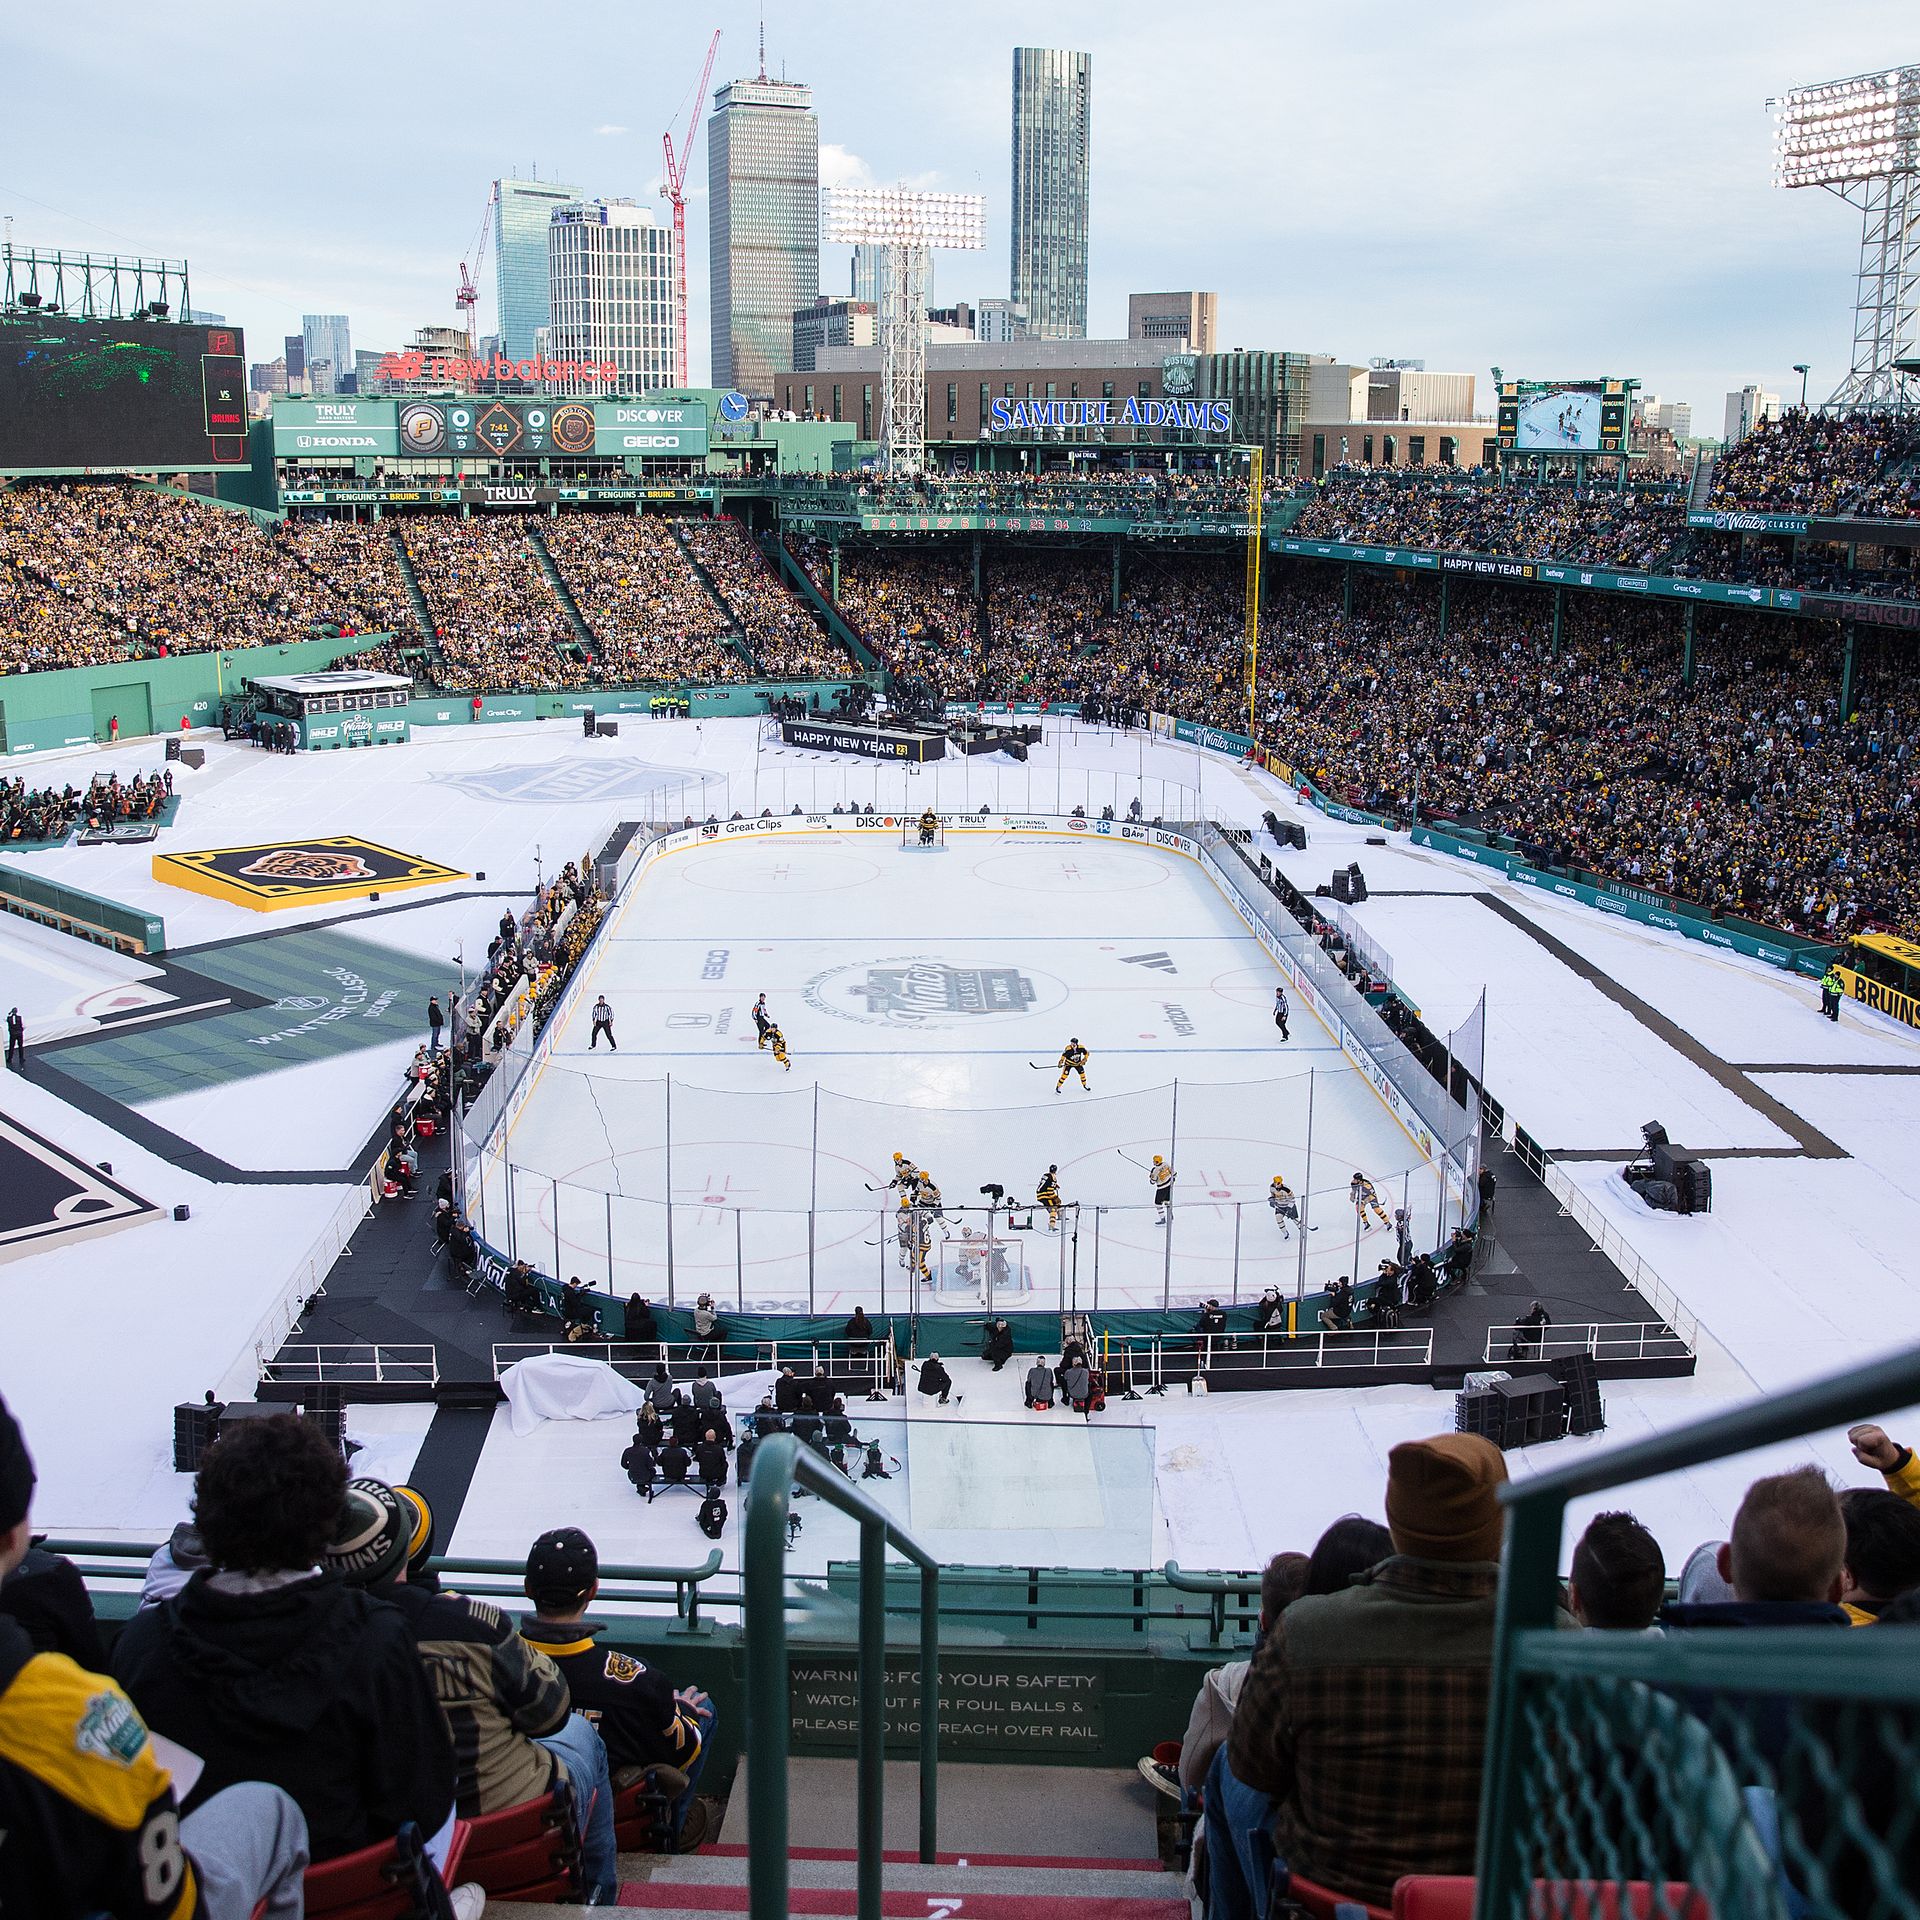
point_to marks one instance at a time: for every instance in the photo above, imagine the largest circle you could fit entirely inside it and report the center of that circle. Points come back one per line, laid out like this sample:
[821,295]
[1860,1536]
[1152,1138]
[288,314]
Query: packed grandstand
[1701,751]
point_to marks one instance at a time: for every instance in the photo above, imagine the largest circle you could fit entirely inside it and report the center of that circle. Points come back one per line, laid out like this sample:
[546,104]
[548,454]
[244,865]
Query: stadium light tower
[907,225]
[1860,139]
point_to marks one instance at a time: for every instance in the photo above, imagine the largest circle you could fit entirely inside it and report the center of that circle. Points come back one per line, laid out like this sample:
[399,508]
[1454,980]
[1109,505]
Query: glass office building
[610,269]
[763,227]
[522,210]
[326,351]
[1052,111]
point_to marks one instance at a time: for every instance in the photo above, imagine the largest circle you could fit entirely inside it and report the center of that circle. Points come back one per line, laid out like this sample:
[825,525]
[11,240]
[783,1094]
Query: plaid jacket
[1364,1717]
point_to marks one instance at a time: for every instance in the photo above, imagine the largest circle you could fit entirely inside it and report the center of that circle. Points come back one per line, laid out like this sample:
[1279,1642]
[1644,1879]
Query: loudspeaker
[180,1212]
[1343,886]
[1356,883]
[1577,1377]
[1296,835]
[330,1423]
[607,729]
[193,1431]
[1536,1408]
[1696,1188]
[173,746]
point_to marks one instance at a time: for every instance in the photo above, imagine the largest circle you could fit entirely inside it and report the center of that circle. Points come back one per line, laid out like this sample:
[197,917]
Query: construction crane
[672,189]
[467,295]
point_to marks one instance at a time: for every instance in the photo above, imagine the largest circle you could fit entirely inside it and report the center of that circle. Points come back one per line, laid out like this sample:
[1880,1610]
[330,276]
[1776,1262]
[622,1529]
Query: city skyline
[1347,217]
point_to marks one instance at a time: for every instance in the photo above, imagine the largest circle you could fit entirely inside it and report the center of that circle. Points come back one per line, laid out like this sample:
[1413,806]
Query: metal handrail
[1598,1339]
[1217,1587]
[1524,1638]
[1303,1352]
[780,1464]
[875,1358]
[415,1364]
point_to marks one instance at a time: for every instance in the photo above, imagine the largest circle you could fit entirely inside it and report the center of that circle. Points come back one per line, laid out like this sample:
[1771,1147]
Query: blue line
[1021,1053]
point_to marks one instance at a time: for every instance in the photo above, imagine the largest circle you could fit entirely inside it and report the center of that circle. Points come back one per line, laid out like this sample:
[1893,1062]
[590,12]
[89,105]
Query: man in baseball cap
[646,1724]
[1363,1718]
[506,1705]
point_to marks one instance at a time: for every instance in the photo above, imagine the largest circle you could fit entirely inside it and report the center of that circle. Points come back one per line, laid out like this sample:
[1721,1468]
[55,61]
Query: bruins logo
[623,1667]
[308,863]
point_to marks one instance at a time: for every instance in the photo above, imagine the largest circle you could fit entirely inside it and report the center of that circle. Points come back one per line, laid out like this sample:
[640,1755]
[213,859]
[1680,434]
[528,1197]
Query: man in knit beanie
[1363,1719]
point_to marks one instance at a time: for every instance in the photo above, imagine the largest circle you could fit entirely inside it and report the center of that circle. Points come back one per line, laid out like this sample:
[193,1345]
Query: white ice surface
[1804,1266]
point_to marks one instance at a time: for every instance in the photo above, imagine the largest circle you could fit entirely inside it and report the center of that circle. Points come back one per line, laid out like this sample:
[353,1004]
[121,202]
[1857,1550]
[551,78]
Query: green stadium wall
[45,711]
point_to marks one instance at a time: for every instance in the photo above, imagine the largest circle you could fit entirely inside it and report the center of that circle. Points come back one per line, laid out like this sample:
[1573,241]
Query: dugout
[348,708]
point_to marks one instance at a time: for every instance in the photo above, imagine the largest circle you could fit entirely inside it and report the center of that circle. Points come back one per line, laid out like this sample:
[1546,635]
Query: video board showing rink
[478,425]
[1565,416]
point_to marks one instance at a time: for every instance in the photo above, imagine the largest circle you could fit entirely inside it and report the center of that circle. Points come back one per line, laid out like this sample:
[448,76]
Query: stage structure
[1860,139]
[907,226]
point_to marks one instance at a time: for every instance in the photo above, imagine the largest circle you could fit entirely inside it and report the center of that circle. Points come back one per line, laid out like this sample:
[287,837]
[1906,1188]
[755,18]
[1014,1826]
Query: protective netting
[778,1197]
[1744,1804]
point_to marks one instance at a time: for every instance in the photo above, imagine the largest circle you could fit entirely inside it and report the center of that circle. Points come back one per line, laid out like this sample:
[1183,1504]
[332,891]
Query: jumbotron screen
[131,395]
[1563,416]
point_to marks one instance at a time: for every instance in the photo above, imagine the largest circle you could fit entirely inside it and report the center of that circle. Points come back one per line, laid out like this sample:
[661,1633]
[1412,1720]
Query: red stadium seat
[1432,1896]
[1321,1903]
[389,1881]
[642,1817]
[528,1852]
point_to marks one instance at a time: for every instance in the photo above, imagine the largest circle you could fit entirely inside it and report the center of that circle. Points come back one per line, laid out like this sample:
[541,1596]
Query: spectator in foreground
[1282,1581]
[644,1721]
[506,1707]
[1883,1552]
[1872,1448]
[270,1671]
[1363,1718]
[1345,1551]
[1784,1562]
[1619,1576]
[88,1820]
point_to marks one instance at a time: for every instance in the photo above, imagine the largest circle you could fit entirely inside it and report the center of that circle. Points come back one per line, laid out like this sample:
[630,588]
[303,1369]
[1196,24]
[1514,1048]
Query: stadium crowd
[294,1640]
[1597,526]
[104,571]
[496,620]
[649,610]
[1748,790]
[1813,463]
[1350,1747]
[782,632]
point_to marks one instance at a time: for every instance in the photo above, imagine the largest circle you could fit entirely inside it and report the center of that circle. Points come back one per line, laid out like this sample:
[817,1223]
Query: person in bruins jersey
[778,1042]
[1073,1059]
[1160,1174]
[929,826]
[910,1231]
[1046,1193]
[88,1820]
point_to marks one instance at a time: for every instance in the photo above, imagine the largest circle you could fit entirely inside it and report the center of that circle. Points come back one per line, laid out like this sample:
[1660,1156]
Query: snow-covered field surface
[1806,1266]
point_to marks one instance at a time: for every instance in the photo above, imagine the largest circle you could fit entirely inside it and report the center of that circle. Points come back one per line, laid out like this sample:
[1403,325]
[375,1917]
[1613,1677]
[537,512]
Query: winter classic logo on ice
[924,993]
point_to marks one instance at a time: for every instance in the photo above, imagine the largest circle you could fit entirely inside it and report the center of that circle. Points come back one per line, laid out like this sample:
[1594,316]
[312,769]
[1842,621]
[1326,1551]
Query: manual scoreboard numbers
[503,428]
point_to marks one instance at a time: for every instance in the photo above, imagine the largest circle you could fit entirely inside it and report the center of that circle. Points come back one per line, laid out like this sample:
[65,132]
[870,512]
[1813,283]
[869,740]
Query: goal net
[911,832]
[965,1264]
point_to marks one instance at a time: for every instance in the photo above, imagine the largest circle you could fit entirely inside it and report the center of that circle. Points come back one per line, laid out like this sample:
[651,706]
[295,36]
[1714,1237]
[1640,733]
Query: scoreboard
[129,396]
[1565,416]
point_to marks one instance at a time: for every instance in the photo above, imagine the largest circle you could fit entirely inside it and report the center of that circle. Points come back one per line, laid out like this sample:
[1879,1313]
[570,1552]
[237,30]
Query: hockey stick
[1132,1162]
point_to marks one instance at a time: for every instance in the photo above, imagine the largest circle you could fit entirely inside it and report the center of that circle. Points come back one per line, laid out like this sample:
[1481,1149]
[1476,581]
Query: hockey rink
[925,996]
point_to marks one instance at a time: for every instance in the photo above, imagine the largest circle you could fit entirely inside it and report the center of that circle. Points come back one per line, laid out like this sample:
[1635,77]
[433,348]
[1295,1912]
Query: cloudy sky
[1560,188]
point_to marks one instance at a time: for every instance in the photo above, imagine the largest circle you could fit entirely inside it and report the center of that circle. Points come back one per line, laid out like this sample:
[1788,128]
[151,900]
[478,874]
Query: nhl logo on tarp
[923,992]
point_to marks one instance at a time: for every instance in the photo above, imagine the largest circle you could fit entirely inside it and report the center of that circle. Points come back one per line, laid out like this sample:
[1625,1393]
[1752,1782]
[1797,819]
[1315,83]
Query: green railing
[1218,1587]
[779,1466]
[1621,1757]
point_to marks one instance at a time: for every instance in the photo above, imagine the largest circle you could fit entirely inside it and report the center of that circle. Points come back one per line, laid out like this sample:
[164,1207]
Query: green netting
[1741,1805]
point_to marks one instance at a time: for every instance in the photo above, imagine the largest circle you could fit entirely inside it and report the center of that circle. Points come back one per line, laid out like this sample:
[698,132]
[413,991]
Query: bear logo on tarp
[308,863]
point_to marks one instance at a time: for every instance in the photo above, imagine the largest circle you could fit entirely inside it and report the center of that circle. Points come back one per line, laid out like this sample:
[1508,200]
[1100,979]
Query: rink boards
[918,993]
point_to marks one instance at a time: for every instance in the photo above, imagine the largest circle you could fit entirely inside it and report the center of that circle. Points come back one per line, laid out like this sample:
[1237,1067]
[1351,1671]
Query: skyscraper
[763,225]
[1052,117]
[327,346]
[610,272]
[521,211]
